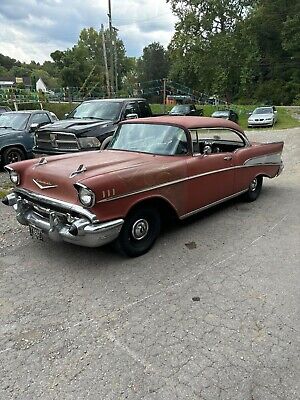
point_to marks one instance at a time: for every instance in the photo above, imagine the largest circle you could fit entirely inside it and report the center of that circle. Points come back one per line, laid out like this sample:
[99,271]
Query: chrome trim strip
[58,203]
[178,181]
[8,169]
[43,187]
[273,158]
[212,204]
[77,186]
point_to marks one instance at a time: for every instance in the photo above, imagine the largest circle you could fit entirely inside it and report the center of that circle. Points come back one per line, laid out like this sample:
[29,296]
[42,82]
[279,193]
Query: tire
[139,232]
[254,189]
[13,154]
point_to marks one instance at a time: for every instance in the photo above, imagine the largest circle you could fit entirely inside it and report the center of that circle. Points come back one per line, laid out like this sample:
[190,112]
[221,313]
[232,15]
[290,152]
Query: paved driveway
[212,312]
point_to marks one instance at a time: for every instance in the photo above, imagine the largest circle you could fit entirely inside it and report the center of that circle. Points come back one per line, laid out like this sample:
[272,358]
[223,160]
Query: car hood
[261,116]
[77,125]
[8,131]
[57,176]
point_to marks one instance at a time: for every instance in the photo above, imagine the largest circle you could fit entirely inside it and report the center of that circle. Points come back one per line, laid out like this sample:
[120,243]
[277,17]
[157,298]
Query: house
[11,82]
[40,85]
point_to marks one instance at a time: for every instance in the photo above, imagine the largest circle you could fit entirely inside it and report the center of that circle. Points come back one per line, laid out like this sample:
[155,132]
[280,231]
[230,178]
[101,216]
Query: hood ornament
[41,161]
[79,170]
[43,185]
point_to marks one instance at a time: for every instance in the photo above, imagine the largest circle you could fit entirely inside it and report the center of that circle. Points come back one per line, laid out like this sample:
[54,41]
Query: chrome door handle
[228,158]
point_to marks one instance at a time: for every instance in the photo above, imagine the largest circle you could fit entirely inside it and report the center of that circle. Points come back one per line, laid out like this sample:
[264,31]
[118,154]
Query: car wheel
[139,232]
[13,154]
[254,189]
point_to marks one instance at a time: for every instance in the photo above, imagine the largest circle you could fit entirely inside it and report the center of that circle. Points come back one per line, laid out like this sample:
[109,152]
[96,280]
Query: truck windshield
[267,110]
[14,120]
[152,139]
[103,110]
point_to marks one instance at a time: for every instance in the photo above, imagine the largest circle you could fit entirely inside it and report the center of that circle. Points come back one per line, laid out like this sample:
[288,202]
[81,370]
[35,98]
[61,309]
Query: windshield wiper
[101,119]
[8,127]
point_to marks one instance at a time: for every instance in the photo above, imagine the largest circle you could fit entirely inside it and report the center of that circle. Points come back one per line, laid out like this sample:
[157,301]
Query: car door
[41,118]
[210,174]
[131,109]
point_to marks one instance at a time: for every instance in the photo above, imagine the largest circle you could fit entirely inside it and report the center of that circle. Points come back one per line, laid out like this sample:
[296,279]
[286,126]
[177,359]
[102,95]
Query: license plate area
[36,233]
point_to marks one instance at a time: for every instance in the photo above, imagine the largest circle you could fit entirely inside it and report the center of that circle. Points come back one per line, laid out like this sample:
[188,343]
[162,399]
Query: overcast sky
[32,29]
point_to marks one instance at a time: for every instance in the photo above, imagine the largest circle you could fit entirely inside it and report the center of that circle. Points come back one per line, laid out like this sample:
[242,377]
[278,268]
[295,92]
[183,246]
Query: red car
[153,167]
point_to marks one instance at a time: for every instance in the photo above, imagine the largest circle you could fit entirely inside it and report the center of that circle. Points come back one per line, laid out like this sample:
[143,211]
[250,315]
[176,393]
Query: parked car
[16,133]
[153,167]
[226,114]
[89,127]
[4,109]
[263,116]
[185,109]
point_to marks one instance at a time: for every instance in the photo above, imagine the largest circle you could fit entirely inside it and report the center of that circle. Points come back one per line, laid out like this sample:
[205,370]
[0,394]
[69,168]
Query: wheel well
[166,210]
[19,146]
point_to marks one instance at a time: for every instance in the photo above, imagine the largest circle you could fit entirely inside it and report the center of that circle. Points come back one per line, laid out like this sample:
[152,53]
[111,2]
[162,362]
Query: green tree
[154,63]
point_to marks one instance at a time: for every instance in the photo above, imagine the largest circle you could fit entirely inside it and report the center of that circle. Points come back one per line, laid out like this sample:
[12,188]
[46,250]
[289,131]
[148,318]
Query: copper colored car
[154,167]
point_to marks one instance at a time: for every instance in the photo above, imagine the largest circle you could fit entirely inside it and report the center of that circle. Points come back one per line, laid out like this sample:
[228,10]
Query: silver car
[263,116]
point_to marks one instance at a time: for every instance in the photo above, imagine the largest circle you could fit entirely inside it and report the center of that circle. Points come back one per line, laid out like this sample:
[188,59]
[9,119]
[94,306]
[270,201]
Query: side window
[40,118]
[218,140]
[131,108]
[145,110]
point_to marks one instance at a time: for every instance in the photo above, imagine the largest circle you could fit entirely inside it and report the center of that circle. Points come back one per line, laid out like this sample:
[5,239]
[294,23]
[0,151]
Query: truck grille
[56,141]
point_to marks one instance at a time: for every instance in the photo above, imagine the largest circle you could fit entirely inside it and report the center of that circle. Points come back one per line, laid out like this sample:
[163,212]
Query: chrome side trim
[179,181]
[58,203]
[212,204]
[272,159]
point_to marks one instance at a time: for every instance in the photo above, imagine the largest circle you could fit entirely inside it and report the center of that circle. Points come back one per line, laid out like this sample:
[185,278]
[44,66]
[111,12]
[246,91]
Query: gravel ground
[212,312]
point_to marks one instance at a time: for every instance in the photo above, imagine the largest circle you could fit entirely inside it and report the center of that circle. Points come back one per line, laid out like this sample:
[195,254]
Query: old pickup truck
[153,167]
[89,126]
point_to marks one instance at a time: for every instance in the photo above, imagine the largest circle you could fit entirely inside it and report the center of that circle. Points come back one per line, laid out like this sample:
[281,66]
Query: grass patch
[285,119]
[3,192]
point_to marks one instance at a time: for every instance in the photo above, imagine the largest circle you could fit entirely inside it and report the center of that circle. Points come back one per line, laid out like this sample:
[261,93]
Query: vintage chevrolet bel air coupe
[153,167]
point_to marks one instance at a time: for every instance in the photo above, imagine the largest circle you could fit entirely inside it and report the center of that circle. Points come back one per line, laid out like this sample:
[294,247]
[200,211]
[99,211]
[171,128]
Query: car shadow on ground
[82,258]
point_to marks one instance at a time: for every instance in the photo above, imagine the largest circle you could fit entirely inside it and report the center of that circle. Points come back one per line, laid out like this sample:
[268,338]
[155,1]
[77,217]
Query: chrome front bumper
[64,225]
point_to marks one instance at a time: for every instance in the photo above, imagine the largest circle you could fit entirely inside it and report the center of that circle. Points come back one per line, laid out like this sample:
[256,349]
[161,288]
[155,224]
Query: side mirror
[33,127]
[66,115]
[131,116]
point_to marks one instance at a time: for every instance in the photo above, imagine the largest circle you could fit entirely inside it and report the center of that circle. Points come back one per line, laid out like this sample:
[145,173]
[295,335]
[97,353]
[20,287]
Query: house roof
[26,80]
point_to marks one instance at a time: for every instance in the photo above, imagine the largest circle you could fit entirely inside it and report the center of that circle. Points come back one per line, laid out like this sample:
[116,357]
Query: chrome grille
[62,141]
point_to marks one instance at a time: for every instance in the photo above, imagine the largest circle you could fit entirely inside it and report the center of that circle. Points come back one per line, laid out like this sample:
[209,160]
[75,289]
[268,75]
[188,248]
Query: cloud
[35,28]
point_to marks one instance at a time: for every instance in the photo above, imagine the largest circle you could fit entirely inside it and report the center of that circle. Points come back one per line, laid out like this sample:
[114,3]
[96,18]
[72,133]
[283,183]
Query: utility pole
[116,60]
[105,62]
[111,48]
[165,80]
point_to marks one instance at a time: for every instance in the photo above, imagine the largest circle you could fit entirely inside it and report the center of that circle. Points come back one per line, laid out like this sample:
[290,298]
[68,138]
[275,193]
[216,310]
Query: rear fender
[263,159]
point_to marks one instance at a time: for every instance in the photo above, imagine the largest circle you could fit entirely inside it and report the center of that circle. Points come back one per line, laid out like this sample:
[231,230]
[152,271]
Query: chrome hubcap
[253,185]
[140,229]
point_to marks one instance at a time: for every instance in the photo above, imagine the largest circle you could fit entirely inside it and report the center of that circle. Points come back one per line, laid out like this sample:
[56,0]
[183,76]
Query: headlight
[88,142]
[86,196]
[14,175]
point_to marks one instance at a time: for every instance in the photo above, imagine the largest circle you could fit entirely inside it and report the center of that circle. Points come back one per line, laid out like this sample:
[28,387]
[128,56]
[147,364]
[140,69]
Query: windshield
[14,120]
[152,139]
[220,114]
[105,110]
[267,110]
[180,109]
